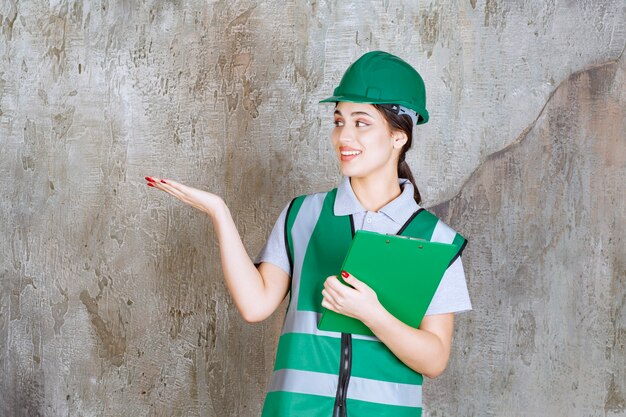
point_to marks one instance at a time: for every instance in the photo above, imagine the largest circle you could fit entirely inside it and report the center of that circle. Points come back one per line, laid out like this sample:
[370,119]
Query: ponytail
[405,172]
[402,123]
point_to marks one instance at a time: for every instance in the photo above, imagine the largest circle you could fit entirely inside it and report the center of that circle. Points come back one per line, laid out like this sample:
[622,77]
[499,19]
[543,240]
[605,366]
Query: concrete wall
[111,296]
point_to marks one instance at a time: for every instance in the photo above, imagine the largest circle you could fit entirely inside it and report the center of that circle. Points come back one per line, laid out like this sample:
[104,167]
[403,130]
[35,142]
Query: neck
[375,192]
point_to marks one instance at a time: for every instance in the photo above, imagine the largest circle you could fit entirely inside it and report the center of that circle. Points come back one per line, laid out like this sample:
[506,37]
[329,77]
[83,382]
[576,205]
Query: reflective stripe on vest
[305,377]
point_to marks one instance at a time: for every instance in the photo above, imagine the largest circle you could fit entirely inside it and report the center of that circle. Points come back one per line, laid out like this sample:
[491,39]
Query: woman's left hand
[359,302]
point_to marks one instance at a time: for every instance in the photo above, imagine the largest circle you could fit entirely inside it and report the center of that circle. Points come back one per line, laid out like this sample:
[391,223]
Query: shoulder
[319,194]
[309,201]
[427,225]
[441,227]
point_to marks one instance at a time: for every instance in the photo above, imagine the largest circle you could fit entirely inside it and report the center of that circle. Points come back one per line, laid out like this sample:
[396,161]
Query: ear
[399,139]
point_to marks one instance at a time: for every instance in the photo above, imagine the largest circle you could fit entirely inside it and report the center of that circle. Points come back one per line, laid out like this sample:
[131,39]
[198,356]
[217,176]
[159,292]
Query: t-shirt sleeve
[451,295]
[275,250]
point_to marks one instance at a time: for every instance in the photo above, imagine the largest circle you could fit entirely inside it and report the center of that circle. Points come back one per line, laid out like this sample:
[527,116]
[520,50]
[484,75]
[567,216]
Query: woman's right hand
[201,200]
[256,292]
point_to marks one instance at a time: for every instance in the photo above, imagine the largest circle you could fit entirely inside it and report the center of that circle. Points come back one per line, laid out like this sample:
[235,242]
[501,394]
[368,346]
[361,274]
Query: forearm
[244,282]
[249,288]
[420,350]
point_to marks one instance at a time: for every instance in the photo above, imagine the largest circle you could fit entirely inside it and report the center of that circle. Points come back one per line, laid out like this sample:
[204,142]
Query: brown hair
[402,123]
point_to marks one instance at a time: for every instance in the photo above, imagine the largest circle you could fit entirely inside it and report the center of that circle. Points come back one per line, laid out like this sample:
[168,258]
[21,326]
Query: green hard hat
[381,78]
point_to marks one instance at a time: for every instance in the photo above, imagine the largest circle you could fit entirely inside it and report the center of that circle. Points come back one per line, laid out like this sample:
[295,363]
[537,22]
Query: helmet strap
[412,113]
[398,109]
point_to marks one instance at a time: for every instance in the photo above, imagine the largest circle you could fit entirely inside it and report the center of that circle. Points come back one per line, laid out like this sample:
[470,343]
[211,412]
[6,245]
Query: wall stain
[26,397]
[525,328]
[61,122]
[614,402]
[9,20]
[111,334]
[495,13]
[31,142]
[19,286]
[59,310]
[179,317]
[429,24]
[43,95]
[615,399]
[54,32]
[241,20]
[3,84]
[233,68]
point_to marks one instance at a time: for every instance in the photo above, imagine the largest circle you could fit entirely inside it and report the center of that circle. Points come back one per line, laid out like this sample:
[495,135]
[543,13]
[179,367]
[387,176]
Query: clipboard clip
[406,237]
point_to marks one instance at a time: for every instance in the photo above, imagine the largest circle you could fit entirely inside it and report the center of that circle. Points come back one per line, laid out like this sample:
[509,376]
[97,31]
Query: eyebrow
[356,113]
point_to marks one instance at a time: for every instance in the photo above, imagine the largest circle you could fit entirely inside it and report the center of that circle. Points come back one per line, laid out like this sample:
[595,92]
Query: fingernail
[163,181]
[344,274]
[149,179]
[150,184]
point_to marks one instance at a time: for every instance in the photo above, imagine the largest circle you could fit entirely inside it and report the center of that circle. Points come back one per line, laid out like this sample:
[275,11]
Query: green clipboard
[403,271]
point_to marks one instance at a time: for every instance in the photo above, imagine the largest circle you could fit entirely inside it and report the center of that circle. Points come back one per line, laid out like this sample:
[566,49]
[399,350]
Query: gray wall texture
[111,296]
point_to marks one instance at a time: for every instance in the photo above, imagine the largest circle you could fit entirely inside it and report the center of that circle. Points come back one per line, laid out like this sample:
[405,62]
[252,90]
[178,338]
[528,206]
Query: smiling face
[363,142]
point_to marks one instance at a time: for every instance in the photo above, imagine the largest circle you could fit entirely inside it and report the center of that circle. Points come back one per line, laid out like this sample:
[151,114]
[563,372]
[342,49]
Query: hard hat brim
[423,114]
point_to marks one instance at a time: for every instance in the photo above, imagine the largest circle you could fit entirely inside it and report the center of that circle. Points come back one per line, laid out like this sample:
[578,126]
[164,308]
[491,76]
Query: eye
[360,123]
[338,123]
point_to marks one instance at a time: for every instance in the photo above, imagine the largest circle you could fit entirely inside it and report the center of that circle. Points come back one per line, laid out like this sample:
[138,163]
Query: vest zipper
[345,365]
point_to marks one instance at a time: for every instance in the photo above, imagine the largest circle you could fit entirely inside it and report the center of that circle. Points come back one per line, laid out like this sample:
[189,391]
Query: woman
[378,101]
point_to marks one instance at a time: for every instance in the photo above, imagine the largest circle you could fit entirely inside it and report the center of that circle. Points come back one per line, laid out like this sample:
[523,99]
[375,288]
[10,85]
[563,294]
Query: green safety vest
[306,381]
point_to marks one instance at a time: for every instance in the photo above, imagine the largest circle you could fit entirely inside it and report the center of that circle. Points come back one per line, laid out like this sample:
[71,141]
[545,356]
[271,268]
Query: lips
[348,154]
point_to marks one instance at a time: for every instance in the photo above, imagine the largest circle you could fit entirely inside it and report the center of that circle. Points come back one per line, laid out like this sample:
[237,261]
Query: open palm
[202,200]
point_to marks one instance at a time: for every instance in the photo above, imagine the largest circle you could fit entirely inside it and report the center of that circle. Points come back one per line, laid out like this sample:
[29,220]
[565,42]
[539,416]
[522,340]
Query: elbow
[253,319]
[432,374]
[436,369]
[252,316]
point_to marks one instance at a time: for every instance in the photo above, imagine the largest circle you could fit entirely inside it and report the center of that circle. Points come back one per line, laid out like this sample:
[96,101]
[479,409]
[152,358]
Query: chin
[347,171]
[363,170]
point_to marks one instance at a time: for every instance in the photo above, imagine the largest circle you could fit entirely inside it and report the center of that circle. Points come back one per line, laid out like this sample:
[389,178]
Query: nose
[346,134]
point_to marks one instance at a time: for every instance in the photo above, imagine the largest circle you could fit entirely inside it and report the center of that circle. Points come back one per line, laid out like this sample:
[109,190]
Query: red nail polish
[344,274]
[149,179]
[150,184]
[163,181]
